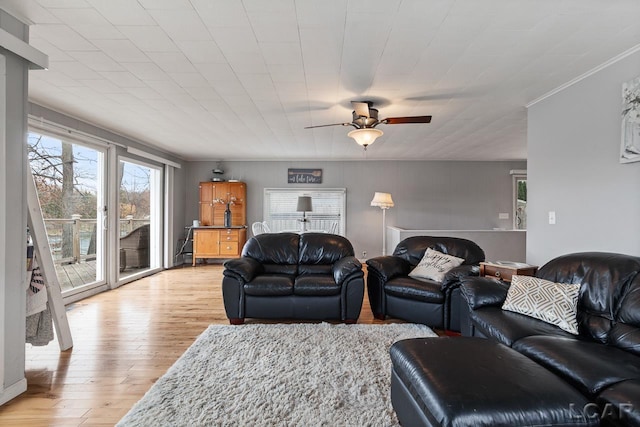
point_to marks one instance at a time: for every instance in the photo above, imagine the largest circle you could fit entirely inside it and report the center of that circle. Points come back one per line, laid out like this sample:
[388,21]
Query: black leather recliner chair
[393,293]
[285,275]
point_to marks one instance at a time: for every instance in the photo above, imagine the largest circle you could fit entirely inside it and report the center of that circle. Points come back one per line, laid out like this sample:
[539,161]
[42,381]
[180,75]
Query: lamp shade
[365,136]
[304,204]
[382,200]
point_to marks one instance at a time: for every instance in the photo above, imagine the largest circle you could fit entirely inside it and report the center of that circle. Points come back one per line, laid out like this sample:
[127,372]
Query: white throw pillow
[555,303]
[434,265]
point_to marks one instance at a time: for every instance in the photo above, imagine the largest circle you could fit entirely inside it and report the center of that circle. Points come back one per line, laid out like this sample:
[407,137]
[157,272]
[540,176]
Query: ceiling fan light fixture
[365,136]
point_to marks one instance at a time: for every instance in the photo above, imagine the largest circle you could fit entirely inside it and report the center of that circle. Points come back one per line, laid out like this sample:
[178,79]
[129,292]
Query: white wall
[427,195]
[14,211]
[573,169]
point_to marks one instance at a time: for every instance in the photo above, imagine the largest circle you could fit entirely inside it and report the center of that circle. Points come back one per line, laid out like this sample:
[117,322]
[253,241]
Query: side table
[504,270]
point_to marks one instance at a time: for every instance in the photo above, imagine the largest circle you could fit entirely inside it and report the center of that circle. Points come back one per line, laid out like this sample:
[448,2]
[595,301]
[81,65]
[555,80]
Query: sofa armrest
[346,267]
[388,267]
[244,268]
[454,277]
[483,292]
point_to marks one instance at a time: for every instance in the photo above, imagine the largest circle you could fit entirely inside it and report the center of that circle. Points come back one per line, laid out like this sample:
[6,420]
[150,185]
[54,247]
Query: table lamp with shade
[384,202]
[304,206]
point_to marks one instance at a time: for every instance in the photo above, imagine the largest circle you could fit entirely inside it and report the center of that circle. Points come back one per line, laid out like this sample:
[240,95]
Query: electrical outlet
[552,217]
[503,215]
[364,254]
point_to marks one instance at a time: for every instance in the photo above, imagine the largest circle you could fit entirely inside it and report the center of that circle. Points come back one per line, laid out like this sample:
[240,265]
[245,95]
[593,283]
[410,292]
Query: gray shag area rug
[279,375]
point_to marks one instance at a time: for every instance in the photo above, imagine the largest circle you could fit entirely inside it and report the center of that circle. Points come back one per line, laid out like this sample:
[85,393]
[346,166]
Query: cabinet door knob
[498,274]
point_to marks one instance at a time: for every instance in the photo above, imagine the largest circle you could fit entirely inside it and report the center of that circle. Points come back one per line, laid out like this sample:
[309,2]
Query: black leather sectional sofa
[594,377]
[289,276]
[603,361]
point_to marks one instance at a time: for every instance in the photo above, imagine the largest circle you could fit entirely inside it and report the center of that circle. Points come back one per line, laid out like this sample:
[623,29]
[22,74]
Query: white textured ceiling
[232,79]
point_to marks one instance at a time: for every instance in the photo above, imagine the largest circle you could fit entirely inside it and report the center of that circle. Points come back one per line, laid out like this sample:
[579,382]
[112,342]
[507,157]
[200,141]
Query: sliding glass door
[70,181]
[140,218]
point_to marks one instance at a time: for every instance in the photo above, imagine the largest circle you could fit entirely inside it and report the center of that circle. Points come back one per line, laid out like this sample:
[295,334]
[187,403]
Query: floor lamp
[304,206]
[384,202]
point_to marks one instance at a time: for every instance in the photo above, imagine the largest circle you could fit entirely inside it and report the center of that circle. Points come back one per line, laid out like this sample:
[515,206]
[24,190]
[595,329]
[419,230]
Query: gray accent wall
[428,195]
[573,170]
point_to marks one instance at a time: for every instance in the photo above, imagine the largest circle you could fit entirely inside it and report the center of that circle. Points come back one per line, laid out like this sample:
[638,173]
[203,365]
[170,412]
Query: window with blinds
[328,213]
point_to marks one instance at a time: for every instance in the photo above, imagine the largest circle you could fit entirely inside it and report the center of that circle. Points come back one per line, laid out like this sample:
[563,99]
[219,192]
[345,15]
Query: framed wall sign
[304,176]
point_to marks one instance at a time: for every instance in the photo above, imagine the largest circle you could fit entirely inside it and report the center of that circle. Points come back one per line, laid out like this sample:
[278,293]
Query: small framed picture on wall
[630,134]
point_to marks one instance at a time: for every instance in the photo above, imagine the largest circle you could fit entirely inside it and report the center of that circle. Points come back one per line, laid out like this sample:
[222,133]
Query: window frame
[519,175]
[340,194]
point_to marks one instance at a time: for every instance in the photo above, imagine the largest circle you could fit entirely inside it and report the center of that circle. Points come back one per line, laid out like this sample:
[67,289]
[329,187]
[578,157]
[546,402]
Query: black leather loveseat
[285,275]
[393,293]
[602,361]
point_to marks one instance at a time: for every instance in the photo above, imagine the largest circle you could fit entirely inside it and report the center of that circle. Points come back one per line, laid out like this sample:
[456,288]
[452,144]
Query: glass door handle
[105,224]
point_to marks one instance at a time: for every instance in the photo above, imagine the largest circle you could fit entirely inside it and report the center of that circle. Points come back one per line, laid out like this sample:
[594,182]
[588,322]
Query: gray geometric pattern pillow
[554,303]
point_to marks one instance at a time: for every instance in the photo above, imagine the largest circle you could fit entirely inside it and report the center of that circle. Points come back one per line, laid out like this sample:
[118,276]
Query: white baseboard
[13,391]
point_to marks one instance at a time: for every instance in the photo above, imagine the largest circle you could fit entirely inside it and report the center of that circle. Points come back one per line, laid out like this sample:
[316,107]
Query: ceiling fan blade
[361,108]
[402,120]
[324,126]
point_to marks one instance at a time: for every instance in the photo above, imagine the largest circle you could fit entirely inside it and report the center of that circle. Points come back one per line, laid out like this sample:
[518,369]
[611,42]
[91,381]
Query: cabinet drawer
[228,248]
[226,237]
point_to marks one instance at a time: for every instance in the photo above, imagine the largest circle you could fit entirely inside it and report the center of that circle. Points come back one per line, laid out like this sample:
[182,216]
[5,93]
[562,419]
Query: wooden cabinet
[214,198]
[218,242]
[212,239]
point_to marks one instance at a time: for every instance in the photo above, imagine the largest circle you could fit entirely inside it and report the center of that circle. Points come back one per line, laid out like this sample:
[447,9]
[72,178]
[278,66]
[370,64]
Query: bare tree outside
[135,191]
[64,190]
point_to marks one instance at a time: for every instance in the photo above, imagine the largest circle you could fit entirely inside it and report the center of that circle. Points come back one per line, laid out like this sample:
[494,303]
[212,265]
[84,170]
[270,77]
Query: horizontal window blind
[328,213]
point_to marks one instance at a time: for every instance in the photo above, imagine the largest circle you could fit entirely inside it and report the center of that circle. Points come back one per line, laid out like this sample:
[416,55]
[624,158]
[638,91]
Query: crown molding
[581,77]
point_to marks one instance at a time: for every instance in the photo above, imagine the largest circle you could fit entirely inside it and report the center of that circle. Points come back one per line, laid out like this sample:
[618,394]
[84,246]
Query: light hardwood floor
[124,340]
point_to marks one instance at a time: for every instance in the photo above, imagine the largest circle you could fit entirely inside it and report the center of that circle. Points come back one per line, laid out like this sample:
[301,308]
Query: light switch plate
[552,217]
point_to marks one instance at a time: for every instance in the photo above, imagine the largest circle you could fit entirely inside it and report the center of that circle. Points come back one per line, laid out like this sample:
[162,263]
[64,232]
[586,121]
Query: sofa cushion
[412,249]
[270,285]
[434,265]
[625,398]
[323,248]
[286,269]
[605,278]
[406,287]
[314,269]
[625,332]
[319,285]
[508,327]
[273,248]
[588,365]
[554,303]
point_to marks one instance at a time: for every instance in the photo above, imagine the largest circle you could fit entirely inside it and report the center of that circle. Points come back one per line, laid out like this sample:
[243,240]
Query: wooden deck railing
[83,237]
